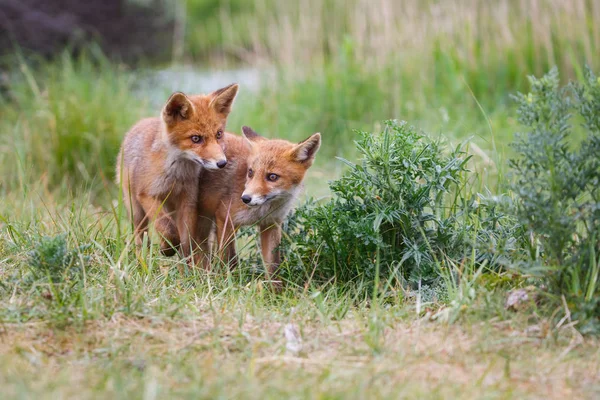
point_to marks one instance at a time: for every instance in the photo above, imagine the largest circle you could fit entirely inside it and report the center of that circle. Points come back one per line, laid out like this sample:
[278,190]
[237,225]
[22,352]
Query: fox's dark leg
[204,228]
[151,209]
[187,225]
[140,222]
[270,238]
[169,240]
[226,241]
[136,213]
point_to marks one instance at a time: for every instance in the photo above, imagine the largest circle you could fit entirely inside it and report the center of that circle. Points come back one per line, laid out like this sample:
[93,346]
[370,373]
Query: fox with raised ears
[258,186]
[160,162]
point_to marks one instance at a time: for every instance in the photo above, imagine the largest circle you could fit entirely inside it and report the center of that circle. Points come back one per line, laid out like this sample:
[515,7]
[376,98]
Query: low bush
[52,259]
[405,213]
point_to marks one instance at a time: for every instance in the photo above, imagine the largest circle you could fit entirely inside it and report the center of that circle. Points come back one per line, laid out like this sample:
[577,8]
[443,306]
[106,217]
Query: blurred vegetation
[63,121]
[342,64]
[498,40]
[329,65]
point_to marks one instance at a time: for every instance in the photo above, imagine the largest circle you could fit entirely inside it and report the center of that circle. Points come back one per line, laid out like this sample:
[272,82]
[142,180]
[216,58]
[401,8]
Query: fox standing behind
[160,162]
[258,186]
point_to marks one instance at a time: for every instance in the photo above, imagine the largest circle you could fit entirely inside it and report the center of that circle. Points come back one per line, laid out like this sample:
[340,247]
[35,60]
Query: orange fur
[270,200]
[160,162]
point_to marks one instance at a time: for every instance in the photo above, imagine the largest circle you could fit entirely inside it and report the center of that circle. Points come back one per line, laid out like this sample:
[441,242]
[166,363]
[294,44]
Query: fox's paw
[168,249]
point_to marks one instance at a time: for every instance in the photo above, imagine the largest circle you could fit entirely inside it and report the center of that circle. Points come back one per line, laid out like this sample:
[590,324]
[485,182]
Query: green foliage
[557,182]
[56,275]
[403,213]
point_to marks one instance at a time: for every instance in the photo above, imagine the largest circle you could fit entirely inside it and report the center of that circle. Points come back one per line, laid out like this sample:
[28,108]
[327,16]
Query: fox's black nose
[246,199]
[222,163]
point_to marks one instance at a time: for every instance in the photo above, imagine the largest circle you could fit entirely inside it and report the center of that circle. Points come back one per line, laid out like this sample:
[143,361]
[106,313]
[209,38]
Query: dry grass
[210,356]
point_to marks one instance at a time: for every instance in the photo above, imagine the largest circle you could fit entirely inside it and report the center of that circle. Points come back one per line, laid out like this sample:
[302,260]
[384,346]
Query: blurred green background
[75,75]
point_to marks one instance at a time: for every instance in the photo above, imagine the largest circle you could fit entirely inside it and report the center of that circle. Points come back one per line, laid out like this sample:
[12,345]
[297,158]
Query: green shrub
[57,271]
[557,184]
[403,214]
[52,258]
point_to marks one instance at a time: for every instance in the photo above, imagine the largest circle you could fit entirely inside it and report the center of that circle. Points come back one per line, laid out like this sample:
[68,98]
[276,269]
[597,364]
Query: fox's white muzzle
[253,201]
[214,164]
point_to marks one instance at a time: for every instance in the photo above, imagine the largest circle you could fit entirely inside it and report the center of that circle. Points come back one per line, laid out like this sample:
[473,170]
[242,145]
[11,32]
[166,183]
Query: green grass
[136,328]
[344,97]
[219,357]
[446,67]
[82,314]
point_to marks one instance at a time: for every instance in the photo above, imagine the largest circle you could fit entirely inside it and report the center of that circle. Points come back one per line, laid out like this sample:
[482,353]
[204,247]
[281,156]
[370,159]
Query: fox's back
[139,140]
[137,144]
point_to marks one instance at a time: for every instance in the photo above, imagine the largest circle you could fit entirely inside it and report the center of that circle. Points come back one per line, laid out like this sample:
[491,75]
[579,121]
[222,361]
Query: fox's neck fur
[179,170]
[271,212]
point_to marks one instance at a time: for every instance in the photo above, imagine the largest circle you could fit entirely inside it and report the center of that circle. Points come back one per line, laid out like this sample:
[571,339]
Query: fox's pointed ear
[249,133]
[222,99]
[178,107]
[305,151]
[249,136]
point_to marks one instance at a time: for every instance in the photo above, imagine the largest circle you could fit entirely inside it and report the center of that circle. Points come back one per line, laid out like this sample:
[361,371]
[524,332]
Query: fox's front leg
[146,208]
[204,229]
[186,222]
[226,241]
[139,219]
[270,238]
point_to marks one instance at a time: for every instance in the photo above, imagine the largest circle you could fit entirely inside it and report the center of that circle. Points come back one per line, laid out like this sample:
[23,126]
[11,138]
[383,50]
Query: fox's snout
[214,164]
[212,157]
[253,200]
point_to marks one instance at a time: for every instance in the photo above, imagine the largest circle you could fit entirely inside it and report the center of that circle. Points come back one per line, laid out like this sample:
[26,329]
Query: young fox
[161,160]
[264,177]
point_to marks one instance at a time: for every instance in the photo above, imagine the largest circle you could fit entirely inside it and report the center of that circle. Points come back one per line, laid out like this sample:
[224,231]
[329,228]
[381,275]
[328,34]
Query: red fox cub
[161,160]
[262,181]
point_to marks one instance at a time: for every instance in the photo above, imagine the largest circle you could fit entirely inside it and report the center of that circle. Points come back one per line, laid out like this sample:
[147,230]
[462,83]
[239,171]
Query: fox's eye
[250,173]
[196,139]
[219,134]
[272,177]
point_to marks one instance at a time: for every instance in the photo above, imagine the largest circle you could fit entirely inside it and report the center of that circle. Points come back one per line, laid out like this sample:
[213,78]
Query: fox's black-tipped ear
[178,107]
[249,133]
[222,99]
[250,137]
[305,151]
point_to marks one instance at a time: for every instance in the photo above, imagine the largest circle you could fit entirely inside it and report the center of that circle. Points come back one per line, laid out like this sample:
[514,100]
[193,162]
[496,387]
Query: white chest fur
[178,174]
[274,211]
